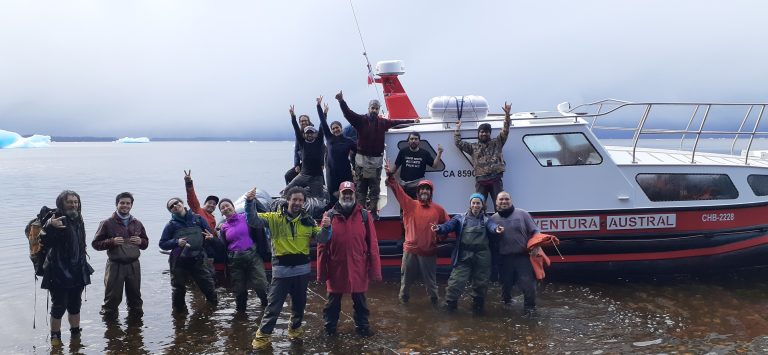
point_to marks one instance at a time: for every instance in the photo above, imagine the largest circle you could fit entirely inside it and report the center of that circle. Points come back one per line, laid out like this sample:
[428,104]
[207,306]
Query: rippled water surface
[719,314]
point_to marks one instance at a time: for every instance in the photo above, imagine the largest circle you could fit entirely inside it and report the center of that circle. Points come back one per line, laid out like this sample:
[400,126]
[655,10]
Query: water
[715,314]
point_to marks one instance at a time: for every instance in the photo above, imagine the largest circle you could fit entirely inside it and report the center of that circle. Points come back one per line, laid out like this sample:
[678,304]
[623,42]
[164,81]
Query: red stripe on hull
[678,254]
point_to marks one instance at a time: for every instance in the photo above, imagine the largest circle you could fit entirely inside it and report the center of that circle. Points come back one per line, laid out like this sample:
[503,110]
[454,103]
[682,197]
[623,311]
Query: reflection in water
[727,314]
[130,339]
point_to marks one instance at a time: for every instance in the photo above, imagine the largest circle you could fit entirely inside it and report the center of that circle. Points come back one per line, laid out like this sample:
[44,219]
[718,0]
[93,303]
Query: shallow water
[717,314]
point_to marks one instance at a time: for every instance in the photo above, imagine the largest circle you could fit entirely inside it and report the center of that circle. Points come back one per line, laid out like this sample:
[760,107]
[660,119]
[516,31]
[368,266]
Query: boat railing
[700,115]
[697,115]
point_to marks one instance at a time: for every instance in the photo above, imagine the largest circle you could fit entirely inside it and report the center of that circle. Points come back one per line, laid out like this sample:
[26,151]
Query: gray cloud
[205,68]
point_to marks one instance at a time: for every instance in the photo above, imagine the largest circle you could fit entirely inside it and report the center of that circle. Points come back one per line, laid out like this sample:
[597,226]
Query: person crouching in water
[349,234]
[471,259]
[244,245]
[291,230]
[185,235]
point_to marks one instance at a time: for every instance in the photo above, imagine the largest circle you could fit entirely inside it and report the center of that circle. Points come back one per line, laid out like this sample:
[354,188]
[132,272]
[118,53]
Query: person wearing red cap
[420,247]
[351,233]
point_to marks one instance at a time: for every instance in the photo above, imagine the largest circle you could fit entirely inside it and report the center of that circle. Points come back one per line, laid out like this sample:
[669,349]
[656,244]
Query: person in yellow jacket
[291,229]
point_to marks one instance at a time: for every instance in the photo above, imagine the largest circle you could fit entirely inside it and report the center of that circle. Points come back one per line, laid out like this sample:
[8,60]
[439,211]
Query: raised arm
[462,145]
[438,157]
[192,201]
[251,211]
[402,198]
[353,118]
[507,122]
[296,129]
[323,114]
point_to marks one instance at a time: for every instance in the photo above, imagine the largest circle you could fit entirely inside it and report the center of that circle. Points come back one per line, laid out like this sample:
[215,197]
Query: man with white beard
[350,233]
[420,246]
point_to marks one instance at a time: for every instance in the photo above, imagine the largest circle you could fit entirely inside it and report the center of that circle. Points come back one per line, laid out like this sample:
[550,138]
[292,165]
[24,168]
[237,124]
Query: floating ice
[10,139]
[133,140]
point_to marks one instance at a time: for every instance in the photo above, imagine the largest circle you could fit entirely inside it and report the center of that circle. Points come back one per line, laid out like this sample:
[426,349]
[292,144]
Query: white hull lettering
[588,223]
[649,221]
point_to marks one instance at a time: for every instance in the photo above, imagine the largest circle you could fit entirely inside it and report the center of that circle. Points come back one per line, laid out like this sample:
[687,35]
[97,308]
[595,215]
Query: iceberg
[133,140]
[10,139]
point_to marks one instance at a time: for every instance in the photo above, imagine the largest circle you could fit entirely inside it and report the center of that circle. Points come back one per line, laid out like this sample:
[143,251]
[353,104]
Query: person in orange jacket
[516,268]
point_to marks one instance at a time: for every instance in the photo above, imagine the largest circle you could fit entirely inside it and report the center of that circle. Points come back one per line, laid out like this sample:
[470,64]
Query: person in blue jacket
[471,259]
[186,235]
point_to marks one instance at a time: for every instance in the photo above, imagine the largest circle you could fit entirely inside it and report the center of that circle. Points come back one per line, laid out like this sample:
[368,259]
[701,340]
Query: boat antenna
[365,54]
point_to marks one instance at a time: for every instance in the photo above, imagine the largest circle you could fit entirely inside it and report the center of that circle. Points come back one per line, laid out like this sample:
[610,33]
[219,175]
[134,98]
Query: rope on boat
[365,54]
[352,319]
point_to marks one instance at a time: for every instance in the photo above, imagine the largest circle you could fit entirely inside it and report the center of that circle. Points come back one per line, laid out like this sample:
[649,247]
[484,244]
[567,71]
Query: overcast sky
[186,68]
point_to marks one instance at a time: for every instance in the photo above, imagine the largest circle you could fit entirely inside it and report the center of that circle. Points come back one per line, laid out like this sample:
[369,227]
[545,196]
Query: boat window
[687,187]
[759,184]
[562,149]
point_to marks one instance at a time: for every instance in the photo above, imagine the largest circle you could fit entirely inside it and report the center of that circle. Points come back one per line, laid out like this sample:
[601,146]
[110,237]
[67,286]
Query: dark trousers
[368,189]
[314,183]
[516,269]
[196,269]
[65,299]
[119,276]
[247,272]
[296,286]
[490,189]
[290,175]
[333,308]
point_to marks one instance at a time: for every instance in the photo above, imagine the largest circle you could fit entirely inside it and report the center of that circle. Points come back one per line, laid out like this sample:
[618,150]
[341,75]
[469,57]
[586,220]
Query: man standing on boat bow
[370,150]
[486,156]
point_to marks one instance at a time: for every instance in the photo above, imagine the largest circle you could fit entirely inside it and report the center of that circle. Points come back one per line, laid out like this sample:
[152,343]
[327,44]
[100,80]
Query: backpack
[34,228]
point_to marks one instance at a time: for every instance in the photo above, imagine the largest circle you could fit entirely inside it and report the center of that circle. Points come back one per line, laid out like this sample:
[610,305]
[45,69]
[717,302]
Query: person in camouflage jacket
[486,155]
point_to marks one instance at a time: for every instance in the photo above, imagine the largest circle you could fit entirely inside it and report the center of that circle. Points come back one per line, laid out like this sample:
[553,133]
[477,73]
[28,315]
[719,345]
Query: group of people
[345,233]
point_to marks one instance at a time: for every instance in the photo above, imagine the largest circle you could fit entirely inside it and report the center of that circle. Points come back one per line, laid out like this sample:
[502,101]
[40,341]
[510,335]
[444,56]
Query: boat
[632,206]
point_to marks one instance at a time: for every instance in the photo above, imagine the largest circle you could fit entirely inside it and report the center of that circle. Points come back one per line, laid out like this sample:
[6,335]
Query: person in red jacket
[339,265]
[370,150]
[420,247]
[123,237]
[207,209]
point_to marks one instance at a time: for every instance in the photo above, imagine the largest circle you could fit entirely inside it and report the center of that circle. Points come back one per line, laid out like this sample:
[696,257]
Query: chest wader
[247,271]
[473,266]
[189,264]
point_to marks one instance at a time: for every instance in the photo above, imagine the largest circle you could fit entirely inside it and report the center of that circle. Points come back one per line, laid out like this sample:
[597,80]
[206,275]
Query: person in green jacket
[291,229]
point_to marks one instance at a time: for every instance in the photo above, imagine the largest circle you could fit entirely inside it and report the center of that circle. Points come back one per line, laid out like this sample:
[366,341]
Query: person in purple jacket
[370,150]
[246,267]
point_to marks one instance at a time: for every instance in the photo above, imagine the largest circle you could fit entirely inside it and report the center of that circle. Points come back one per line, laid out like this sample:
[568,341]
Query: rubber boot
[449,306]
[478,305]
[241,301]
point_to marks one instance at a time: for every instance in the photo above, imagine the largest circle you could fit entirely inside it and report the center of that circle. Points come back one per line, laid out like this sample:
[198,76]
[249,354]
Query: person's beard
[413,146]
[347,203]
[72,214]
[425,197]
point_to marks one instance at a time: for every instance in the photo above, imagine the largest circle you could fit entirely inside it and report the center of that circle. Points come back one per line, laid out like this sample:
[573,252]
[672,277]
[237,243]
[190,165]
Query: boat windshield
[562,149]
